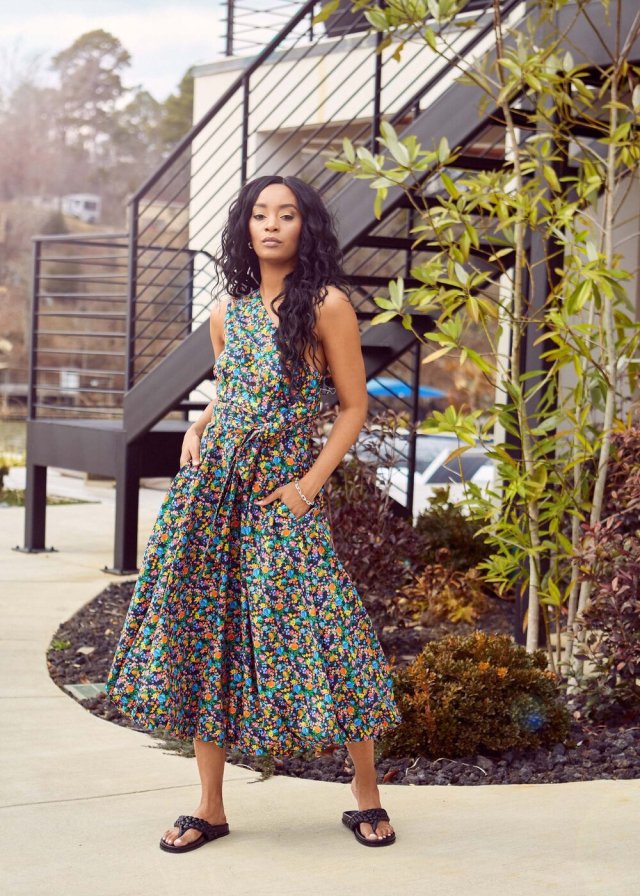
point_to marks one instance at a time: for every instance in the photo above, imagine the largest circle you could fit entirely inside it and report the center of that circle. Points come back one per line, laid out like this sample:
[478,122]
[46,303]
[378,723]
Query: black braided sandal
[353,817]
[209,832]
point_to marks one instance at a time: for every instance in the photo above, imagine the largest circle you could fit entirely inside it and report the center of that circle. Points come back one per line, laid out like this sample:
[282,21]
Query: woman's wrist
[199,426]
[309,486]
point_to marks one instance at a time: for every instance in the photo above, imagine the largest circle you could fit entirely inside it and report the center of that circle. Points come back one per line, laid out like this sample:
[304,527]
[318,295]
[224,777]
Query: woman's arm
[191,441]
[339,332]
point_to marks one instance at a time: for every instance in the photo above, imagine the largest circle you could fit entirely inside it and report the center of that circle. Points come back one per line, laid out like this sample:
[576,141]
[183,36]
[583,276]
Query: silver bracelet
[306,500]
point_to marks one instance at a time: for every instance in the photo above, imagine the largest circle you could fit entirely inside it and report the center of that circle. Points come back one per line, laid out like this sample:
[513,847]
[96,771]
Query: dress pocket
[315,510]
[283,508]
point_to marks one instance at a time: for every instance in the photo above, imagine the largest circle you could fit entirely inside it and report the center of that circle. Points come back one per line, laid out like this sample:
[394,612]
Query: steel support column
[125,551]
[35,508]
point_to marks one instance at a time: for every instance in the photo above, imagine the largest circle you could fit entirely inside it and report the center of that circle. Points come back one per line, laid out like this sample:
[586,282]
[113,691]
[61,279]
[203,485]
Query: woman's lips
[271,242]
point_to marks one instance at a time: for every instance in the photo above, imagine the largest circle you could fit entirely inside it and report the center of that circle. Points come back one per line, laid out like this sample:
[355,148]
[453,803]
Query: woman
[244,629]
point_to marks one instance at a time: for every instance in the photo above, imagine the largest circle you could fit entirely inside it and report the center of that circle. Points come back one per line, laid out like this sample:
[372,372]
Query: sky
[164,37]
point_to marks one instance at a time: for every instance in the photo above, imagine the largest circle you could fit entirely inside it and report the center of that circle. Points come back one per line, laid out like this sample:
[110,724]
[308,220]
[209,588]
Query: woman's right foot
[213,814]
[369,798]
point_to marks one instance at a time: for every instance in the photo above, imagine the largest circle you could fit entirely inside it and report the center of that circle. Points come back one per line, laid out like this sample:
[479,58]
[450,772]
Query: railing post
[33,334]
[191,276]
[230,22]
[245,130]
[132,289]
[36,483]
[377,95]
[189,304]
[311,15]
[415,411]
[415,390]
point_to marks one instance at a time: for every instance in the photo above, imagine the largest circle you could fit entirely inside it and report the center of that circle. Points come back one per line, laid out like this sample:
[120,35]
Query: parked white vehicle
[431,471]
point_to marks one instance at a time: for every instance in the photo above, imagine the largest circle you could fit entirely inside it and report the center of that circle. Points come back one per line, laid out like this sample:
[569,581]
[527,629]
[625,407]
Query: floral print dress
[244,627]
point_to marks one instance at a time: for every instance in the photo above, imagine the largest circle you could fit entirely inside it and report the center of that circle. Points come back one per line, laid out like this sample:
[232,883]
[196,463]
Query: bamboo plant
[560,190]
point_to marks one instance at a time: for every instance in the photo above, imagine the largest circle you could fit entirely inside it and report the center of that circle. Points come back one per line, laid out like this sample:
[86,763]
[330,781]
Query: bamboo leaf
[430,38]
[381,195]
[457,452]
[325,11]
[449,185]
[348,150]
[551,178]
[555,597]
[383,317]
[377,18]
[439,353]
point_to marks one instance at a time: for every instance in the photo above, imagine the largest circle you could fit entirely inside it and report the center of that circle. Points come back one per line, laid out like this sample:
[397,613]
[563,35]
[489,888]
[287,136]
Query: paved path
[83,802]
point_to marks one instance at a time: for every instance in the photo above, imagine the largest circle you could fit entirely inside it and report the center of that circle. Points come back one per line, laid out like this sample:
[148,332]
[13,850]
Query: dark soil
[590,752]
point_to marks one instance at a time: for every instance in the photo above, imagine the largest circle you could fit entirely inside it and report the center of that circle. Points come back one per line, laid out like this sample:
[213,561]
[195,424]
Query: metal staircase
[127,314]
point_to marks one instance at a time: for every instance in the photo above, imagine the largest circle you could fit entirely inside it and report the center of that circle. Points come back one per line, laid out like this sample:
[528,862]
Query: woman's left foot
[369,798]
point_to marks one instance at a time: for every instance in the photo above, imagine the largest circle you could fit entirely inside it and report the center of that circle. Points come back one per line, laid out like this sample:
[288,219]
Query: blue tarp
[390,386]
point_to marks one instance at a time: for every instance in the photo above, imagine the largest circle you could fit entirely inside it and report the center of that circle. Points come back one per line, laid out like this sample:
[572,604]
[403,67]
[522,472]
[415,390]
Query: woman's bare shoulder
[335,307]
[219,305]
[217,315]
[335,296]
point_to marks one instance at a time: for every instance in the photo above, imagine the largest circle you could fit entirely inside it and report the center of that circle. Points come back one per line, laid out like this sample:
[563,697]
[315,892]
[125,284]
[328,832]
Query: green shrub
[444,526]
[440,592]
[480,692]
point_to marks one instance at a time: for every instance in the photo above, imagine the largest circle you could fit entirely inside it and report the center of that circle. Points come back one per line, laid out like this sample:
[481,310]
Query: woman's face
[275,224]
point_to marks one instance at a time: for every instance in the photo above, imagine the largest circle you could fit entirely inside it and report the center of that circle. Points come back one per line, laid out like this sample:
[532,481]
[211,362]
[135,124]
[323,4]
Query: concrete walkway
[83,802]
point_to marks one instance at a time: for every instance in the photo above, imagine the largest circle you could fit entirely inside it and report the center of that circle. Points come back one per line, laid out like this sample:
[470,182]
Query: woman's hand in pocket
[190,448]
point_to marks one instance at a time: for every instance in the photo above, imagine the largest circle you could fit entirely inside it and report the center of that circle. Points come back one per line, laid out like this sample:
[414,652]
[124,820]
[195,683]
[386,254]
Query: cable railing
[251,24]
[288,111]
[80,322]
[78,326]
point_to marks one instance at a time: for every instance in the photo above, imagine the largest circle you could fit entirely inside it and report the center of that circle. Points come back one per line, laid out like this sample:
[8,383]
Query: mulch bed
[592,751]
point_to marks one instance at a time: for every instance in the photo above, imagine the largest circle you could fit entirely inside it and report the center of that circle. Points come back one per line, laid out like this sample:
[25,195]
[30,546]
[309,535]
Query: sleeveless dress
[244,627]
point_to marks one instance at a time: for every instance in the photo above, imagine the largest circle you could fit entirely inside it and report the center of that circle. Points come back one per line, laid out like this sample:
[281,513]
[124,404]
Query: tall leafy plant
[543,224]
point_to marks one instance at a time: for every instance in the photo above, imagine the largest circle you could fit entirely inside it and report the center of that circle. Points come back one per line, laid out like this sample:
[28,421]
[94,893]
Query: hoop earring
[249,245]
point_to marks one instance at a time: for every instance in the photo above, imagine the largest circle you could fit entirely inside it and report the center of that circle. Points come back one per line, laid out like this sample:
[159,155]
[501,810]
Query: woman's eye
[258,216]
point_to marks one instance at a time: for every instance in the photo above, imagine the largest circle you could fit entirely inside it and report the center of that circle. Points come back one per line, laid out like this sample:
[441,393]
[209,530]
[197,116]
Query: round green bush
[480,692]
[445,531]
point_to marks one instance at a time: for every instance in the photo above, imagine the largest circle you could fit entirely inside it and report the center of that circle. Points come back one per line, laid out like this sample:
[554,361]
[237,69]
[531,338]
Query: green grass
[59,644]
[13,438]
[14,497]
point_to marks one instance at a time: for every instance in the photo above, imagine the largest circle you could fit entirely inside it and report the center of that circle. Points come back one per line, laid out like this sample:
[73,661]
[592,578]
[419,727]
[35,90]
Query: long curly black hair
[318,265]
